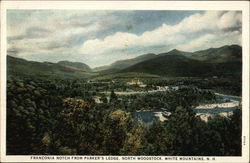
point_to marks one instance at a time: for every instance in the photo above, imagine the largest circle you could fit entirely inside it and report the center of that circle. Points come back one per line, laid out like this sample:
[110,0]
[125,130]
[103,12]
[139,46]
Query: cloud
[230,20]
[50,37]
[102,37]
[208,25]
[197,43]
[32,32]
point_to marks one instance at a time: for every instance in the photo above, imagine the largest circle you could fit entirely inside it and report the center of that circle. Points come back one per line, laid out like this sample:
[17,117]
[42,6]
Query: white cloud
[53,42]
[52,35]
[197,43]
[210,24]
[230,20]
[120,41]
[211,41]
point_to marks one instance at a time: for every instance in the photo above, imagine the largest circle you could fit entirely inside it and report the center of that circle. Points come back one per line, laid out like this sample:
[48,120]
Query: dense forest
[59,116]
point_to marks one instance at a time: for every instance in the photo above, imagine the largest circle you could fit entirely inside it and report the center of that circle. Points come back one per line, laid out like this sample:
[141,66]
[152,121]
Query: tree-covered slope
[219,55]
[223,61]
[75,65]
[122,64]
[178,65]
[22,67]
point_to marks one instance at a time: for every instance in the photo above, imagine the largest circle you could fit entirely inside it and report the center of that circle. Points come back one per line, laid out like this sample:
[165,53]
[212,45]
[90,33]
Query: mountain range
[219,55]
[222,61]
[65,69]
[122,64]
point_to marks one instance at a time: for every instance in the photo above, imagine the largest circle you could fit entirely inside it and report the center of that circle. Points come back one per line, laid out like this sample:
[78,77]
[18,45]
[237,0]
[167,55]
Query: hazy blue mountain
[75,65]
[122,64]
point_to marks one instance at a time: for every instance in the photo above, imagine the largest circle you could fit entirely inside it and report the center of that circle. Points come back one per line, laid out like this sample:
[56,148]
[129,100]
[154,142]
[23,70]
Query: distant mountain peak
[222,61]
[219,55]
[174,50]
[122,64]
[65,61]
[75,65]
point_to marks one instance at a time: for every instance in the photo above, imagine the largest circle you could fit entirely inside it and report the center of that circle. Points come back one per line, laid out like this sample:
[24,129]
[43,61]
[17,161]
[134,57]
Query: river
[149,116]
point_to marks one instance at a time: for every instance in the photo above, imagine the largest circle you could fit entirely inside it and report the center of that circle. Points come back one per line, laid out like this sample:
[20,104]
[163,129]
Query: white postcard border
[131,5]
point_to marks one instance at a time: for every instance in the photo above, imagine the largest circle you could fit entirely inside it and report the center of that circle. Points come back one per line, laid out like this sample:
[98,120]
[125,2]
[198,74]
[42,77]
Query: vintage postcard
[124,81]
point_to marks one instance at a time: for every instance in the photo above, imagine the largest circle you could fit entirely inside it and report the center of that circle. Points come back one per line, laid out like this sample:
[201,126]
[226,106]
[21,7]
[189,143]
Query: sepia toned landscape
[151,83]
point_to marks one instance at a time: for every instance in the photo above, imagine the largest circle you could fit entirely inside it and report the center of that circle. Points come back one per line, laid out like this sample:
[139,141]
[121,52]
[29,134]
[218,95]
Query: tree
[113,97]
[121,134]
[73,125]
[186,131]
[158,140]
[235,129]
[134,141]
[104,99]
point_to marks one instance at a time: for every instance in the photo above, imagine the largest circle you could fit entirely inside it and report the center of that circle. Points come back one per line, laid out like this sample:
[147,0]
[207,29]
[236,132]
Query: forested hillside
[67,109]
[61,117]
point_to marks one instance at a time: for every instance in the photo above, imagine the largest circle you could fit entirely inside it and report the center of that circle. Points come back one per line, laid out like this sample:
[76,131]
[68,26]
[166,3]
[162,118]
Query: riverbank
[203,111]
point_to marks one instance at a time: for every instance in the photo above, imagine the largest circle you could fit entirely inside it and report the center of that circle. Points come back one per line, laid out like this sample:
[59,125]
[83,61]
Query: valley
[127,107]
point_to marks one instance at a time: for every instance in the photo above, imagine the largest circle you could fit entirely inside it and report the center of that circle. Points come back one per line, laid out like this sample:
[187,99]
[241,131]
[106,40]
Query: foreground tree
[121,134]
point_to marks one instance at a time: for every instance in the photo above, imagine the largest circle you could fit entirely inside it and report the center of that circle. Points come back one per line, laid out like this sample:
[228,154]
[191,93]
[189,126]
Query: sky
[101,37]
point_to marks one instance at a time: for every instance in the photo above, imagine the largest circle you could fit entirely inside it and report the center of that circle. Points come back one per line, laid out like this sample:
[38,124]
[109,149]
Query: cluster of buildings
[137,82]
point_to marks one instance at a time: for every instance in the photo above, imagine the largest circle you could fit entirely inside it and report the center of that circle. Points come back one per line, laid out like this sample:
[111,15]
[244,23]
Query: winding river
[149,116]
